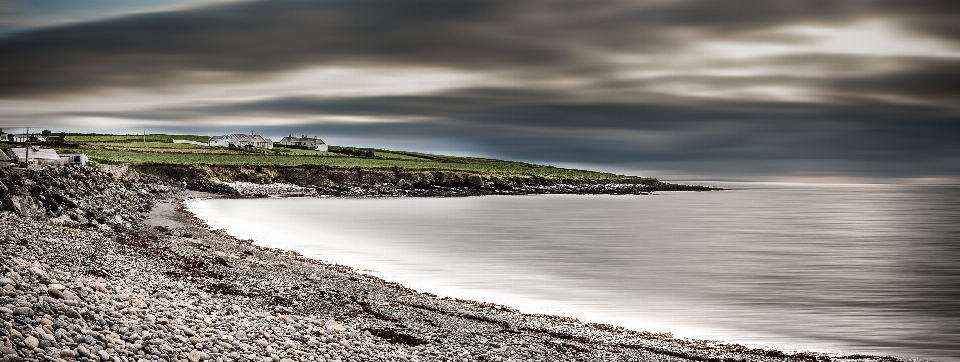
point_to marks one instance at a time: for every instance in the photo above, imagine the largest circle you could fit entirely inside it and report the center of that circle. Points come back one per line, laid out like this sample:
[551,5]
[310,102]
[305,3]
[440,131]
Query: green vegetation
[160,151]
[95,138]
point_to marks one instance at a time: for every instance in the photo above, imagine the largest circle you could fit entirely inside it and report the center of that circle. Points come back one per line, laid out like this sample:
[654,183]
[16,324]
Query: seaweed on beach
[394,336]
[193,268]
[226,289]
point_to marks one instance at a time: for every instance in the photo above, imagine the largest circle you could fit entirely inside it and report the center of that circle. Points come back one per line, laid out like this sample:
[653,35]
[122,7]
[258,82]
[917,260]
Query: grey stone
[38,272]
[334,326]
[24,311]
[67,294]
[56,286]
[31,342]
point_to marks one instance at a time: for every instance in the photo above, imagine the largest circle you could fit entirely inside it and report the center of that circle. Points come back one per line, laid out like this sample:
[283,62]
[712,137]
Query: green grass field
[159,149]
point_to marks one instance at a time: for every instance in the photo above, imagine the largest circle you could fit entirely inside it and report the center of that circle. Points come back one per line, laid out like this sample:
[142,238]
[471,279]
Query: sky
[787,90]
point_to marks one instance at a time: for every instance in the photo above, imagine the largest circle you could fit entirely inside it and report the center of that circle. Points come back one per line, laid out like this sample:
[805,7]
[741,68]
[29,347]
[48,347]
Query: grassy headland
[156,154]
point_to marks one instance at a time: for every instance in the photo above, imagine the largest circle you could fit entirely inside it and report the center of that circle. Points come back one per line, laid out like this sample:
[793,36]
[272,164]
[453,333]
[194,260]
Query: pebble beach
[106,265]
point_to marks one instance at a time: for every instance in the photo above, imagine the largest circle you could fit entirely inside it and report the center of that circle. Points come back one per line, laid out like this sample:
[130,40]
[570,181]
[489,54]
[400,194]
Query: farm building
[241,140]
[35,156]
[312,143]
[220,141]
[23,138]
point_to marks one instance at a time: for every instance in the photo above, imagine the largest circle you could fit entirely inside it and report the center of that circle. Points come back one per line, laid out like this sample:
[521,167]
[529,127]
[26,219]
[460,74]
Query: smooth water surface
[848,268]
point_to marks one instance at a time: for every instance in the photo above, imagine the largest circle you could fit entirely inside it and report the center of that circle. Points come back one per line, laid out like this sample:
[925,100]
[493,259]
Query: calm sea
[834,268]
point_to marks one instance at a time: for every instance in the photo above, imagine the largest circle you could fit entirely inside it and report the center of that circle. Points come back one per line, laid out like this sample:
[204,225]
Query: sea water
[833,268]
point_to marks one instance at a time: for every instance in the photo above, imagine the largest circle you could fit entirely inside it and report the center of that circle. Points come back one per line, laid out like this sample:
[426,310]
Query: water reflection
[874,269]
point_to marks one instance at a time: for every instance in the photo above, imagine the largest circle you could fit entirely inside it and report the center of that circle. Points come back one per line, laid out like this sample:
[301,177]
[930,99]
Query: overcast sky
[708,89]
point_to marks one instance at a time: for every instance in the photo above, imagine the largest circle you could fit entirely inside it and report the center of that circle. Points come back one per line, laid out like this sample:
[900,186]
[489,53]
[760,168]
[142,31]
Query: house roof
[36,153]
[217,138]
[249,138]
[302,139]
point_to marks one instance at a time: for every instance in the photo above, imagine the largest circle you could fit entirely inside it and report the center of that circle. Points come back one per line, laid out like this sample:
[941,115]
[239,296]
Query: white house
[241,140]
[220,141]
[35,156]
[252,140]
[23,138]
[312,143]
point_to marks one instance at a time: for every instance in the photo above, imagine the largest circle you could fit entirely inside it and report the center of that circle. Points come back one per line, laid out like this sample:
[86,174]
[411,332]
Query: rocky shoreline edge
[252,189]
[102,266]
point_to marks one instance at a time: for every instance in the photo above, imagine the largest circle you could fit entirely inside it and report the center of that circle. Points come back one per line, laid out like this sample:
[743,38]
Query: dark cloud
[937,79]
[569,101]
[864,138]
[237,42]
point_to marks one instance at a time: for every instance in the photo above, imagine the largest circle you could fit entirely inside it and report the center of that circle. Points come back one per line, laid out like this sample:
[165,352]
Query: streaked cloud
[708,87]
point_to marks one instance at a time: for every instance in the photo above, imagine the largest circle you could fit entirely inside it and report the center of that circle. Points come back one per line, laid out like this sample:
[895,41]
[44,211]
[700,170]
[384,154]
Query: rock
[67,353]
[189,332]
[67,294]
[55,293]
[103,355]
[38,272]
[334,326]
[56,286]
[24,311]
[194,340]
[7,281]
[5,310]
[31,342]
[71,313]
[83,351]
[194,356]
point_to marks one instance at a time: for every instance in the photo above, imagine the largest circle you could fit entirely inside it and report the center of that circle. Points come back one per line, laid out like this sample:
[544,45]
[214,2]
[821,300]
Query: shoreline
[164,286]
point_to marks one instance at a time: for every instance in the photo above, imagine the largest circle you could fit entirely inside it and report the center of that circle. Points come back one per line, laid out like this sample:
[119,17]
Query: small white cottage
[220,141]
[312,143]
[241,140]
[35,156]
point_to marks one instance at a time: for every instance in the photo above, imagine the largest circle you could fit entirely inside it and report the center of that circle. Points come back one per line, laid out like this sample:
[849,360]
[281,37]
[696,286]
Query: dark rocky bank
[100,266]
[323,180]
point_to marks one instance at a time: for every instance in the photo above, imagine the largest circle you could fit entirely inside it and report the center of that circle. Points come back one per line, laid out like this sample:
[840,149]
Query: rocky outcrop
[324,180]
[78,195]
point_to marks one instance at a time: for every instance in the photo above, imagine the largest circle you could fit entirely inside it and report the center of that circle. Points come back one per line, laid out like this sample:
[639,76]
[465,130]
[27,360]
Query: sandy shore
[160,286]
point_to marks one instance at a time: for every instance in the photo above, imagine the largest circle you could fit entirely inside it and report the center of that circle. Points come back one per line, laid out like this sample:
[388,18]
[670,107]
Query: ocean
[836,268]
